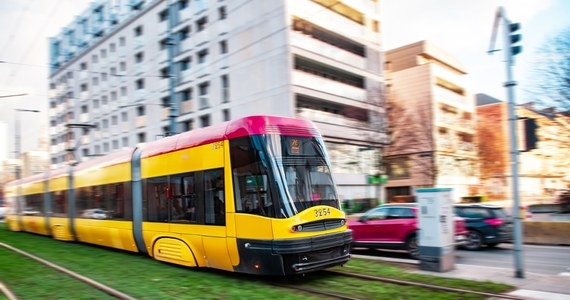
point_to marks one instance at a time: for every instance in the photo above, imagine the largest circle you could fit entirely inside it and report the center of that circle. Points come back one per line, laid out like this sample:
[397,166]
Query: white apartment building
[315,59]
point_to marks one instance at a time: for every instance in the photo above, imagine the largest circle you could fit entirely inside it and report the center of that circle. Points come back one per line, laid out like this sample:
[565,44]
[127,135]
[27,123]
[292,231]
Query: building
[317,59]
[542,171]
[432,123]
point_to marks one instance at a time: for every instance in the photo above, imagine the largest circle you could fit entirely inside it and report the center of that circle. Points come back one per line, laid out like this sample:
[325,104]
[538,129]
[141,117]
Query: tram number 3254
[322,212]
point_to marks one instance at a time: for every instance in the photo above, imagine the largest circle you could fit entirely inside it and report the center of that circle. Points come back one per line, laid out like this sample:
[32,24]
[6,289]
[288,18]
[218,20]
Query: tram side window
[34,205]
[184,202]
[214,197]
[60,205]
[251,184]
[155,199]
[105,202]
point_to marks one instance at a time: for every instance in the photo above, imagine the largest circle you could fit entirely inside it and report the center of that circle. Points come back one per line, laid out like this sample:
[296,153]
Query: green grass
[144,278]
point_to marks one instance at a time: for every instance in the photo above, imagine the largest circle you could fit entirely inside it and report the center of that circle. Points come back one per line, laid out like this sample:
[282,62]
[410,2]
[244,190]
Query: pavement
[532,286]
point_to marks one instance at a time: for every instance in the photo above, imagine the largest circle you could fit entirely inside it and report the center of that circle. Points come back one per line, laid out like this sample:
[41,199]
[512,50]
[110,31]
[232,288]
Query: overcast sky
[461,27]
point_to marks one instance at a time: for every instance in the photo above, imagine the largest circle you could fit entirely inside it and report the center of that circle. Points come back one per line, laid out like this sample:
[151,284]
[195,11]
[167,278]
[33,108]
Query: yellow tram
[253,195]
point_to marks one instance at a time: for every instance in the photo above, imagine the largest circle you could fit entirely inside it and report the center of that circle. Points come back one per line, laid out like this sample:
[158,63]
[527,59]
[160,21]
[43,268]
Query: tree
[552,73]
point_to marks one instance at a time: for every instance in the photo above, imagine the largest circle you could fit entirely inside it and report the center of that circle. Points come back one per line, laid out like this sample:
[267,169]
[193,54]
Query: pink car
[394,226]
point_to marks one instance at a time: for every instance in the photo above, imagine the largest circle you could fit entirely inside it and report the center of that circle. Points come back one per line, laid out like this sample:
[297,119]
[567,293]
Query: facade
[542,171]
[295,58]
[432,123]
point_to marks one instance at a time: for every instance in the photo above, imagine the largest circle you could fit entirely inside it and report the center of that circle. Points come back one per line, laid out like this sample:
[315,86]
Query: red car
[394,226]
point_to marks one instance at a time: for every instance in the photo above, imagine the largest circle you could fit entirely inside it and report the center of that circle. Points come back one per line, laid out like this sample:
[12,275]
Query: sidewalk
[533,286]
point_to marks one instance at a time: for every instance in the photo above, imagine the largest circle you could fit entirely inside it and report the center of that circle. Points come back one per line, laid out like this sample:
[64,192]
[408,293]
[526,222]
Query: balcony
[140,121]
[186,107]
[204,102]
[328,86]
[84,118]
[308,43]
[140,95]
[202,70]
[164,112]
[328,19]
[184,76]
[326,117]
[201,37]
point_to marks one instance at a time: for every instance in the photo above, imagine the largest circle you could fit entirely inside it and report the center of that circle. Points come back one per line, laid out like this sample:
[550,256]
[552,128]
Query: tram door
[215,242]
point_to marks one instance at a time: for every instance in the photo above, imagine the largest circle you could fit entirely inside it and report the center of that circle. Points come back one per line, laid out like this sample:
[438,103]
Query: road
[544,260]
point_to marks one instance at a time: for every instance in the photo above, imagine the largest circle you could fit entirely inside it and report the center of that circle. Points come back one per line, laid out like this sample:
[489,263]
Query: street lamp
[17,144]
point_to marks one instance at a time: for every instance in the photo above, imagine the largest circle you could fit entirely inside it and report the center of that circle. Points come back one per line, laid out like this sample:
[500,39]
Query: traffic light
[529,138]
[515,38]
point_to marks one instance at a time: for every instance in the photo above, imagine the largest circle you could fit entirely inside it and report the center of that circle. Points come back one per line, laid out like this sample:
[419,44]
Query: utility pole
[511,48]
[171,42]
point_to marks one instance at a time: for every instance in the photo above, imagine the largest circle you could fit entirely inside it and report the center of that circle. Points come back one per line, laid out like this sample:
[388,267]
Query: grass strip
[144,278]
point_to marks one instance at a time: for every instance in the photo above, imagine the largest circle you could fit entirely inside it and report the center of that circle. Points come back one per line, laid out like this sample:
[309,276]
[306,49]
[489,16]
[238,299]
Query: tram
[253,195]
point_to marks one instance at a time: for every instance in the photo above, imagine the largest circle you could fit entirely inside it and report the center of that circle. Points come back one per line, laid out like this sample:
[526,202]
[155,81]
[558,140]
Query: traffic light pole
[510,84]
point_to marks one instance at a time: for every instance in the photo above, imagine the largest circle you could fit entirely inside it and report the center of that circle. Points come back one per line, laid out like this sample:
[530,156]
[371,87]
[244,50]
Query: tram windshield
[280,176]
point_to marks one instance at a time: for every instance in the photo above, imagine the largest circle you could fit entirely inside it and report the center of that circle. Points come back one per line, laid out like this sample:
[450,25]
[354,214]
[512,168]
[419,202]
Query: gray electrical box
[437,226]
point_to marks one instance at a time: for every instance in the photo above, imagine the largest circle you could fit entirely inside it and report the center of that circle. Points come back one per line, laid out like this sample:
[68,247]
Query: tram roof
[252,125]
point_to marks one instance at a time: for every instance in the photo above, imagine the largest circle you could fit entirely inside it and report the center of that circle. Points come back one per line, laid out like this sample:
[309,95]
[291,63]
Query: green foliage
[473,199]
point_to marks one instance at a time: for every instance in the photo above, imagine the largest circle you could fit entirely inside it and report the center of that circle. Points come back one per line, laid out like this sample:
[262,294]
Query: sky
[460,27]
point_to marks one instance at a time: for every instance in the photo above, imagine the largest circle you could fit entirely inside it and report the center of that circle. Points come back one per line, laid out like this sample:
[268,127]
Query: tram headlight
[297,228]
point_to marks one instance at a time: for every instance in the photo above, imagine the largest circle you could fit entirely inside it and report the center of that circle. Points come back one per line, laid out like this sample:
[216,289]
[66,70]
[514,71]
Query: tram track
[418,284]
[110,291]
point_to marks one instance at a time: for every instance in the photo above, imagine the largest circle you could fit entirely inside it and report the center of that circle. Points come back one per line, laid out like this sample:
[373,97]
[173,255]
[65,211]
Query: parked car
[487,224]
[394,226]
[3,209]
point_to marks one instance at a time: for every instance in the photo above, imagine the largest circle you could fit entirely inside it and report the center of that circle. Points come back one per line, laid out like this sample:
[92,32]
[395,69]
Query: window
[103,76]
[226,113]
[205,121]
[139,57]
[103,53]
[140,111]
[141,137]
[112,47]
[84,109]
[214,197]
[139,84]
[203,88]
[201,23]
[223,47]
[105,202]
[163,15]
[94,58]
[105,126]
[164,73]
[95,81]
[222,12]
[125,142]
[182,4]
[124,116]
[187,126]
[398,168]
[83,66]
[138,30]
[186,95]
[185,63]
[123,91]
[163,44]
[83,87]
[202,55]
[122,41]
[113,71]
[114,120]
[225,88]
[184,33]
[123,66]
[104,100]
[113,96]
